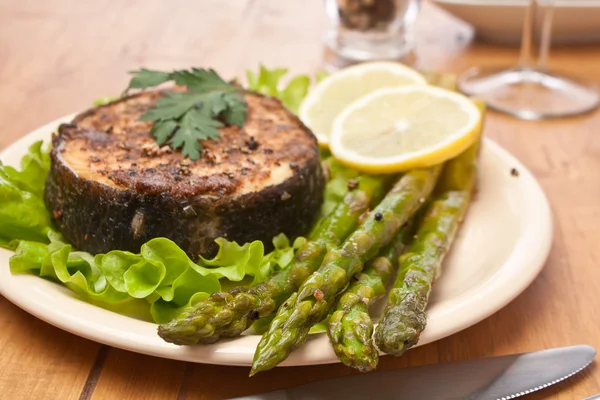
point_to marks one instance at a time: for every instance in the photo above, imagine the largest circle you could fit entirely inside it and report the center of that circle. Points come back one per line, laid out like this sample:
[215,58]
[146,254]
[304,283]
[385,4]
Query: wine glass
[529,90]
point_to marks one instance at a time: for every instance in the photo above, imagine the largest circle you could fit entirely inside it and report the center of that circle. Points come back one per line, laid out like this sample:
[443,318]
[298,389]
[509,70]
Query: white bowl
[501,21]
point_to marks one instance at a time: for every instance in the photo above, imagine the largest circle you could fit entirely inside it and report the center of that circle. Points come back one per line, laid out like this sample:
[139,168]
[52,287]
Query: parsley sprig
[182,119]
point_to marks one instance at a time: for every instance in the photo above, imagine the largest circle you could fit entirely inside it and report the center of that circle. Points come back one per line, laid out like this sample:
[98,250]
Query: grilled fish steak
[111,187]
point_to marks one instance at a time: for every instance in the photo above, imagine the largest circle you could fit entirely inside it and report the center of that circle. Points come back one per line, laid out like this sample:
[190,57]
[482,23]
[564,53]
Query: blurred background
[76,51]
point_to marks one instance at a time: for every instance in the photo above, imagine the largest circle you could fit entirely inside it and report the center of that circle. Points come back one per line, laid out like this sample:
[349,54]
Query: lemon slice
[396,129]
[335,92]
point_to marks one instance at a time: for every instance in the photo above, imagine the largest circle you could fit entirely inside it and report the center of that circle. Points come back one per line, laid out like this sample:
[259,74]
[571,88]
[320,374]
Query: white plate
[575,21]
[501,248]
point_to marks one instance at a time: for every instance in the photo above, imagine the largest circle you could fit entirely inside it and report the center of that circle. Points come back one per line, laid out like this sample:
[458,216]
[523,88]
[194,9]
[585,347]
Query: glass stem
[527,56]
[535,49]
[546,34]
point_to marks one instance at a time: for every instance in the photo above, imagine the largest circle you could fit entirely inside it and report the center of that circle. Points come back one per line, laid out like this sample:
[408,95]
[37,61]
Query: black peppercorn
[252,315]
[252,144]
[352,184]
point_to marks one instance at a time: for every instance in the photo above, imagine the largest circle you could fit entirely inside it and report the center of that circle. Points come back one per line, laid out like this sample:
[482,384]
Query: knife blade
[504,377]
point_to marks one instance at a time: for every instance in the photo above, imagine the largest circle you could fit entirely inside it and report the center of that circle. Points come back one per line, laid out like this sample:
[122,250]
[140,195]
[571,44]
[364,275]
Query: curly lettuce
[268,82]
[23,215]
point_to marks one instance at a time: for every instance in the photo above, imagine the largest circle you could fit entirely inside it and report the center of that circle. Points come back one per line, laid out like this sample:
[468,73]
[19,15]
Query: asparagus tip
[259,366]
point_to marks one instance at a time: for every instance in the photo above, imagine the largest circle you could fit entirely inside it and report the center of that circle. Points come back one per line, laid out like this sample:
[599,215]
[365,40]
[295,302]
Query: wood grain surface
[57,56]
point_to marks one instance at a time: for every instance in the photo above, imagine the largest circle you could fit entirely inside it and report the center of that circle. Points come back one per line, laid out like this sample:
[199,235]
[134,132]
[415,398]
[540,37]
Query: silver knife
[492,378]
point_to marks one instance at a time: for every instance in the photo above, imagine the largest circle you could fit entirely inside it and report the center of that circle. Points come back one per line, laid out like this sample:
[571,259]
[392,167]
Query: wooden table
[57,56]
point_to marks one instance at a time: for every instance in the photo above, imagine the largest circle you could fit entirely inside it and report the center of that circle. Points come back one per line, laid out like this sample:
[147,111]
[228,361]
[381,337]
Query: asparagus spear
[317,294]
[404,317]
[337,185]
[229,314]
[334,170]
[350,327]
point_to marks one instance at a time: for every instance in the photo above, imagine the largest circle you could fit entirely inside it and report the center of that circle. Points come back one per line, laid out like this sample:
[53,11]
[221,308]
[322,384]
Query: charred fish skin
[111,187]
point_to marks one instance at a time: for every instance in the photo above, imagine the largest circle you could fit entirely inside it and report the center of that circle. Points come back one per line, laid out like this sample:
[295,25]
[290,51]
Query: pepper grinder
[369,30]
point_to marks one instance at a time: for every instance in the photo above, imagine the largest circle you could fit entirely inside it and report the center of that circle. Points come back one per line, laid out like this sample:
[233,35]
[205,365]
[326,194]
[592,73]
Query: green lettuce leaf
[56,261]
[34,169]
[162,273]
[278,259]
[268,82]
[104,100]
[23,215]
[320,75]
